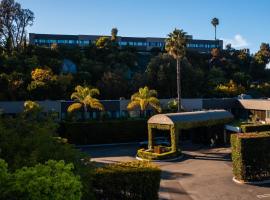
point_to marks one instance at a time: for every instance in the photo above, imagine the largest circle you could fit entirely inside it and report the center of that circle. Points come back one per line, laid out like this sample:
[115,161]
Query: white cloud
[237,42]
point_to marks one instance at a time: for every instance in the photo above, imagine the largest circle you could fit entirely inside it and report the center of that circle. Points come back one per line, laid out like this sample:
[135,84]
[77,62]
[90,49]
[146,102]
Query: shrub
[127,181]
[53,180]
[249,128]
[251,156]
[97,132]
[27,143]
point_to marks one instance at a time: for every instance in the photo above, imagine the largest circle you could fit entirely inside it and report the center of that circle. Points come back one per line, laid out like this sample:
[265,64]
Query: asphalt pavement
[203,174]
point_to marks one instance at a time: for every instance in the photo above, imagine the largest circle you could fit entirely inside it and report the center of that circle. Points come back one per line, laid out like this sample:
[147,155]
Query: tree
[31,106]
[160,74]
[113,85]
[41,182]
[215,23]
[114,33]
[144,98]
[103,43]
[176,47]
[230,89]
[84,98]
[14,20]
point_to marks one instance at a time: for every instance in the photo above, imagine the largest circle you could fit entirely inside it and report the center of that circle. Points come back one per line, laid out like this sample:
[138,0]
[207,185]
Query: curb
[104,145]
[250,182]
[166,160]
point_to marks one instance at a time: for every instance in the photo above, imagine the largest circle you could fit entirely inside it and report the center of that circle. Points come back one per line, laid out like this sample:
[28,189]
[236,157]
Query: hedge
[100,132]
[251,156]
[249,128]
[142,153]
[135,180]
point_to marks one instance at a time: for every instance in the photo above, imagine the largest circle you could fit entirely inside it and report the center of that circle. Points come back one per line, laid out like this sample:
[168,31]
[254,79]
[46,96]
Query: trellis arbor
[174,122]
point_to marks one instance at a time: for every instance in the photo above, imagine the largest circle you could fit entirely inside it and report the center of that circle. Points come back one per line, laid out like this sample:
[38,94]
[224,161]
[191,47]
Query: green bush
[127,181]
[25,143]
[98,132]
[249,128]
[251,156]
[142,153]
[53,180]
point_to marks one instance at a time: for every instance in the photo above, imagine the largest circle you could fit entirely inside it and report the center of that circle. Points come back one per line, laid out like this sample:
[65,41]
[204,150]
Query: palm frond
[74,107]
[132,105]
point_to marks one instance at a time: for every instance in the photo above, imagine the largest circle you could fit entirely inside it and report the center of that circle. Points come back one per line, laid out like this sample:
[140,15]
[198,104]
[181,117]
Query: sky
[243,23]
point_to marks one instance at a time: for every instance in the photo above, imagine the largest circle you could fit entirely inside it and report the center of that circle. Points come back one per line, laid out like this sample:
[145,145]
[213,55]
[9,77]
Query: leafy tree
[144,98]
[103,43]
[14,20]
[230,89]
[31,106]
[52,180]
[113,85]
[176,47]
[215,23]
[160,74]
[84,98]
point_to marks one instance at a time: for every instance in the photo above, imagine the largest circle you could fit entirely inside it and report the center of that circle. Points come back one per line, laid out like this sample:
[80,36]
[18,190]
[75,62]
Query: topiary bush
[251,156]
[53,180]
[127,181]
[250,128]
[147,155]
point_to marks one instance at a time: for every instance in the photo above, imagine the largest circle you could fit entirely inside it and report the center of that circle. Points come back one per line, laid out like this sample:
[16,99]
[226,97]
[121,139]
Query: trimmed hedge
[144,154]
[100,132]
[251,156]
[127,181]
[249,128]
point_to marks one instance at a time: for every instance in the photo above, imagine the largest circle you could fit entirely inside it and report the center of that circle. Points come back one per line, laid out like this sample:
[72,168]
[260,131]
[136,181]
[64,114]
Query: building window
[123,43]
[268,114]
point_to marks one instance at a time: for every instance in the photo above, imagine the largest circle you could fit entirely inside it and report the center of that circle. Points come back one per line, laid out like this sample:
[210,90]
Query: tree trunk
[179,105]
[215,33]
[84,112]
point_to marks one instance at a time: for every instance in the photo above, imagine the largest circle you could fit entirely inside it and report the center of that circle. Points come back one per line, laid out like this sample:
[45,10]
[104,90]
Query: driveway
[203,174]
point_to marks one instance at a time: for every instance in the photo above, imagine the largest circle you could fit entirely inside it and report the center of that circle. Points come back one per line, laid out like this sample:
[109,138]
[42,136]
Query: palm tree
[215,23]
[114,33]
[176,47]
[143,98]
[84,97]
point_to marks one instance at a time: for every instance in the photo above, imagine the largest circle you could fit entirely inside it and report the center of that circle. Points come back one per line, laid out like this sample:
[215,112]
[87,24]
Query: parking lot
[203,174]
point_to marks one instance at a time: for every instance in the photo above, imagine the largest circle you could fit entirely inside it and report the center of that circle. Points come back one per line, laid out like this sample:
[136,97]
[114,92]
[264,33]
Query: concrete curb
[101,145]
[167,160]
[251,183]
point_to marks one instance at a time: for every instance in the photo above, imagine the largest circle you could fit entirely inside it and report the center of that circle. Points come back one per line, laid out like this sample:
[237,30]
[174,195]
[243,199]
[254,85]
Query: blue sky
[244,23]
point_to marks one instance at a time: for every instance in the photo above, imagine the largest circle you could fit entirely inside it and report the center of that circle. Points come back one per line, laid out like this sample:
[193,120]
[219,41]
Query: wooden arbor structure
[174,122]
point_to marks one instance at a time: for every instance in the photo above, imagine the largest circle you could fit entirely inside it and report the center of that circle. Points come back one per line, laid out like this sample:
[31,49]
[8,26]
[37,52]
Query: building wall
[142,44]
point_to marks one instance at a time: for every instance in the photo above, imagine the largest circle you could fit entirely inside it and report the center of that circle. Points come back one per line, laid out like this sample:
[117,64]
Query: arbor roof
[186,120]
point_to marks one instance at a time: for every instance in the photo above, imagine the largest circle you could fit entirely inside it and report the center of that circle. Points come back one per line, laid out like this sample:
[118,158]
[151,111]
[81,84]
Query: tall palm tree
[215,23]
[143,98]
[114,33]
[84,98]
[176,47]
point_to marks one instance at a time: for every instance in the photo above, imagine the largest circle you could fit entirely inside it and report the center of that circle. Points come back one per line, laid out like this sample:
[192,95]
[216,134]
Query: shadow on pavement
[168,175]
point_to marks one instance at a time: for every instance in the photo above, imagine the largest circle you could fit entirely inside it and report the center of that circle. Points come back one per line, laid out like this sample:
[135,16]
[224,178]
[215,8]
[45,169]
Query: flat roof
[255,104]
